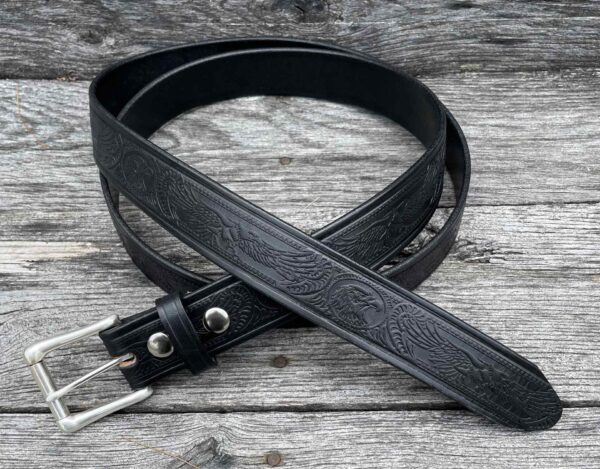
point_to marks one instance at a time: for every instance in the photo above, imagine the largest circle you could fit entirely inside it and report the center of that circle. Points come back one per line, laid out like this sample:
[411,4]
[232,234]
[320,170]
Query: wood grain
[528,276]
[525,273]
[522,78]
[399,440]
[537,146]
[427,37]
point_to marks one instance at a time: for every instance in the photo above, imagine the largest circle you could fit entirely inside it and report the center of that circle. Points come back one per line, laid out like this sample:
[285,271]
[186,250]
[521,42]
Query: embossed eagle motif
[305,272]
[355,305]
[369,242]
[421,339]
[187,208]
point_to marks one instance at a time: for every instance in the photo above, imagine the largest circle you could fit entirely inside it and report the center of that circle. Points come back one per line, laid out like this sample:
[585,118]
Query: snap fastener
[216,320]
[160,345]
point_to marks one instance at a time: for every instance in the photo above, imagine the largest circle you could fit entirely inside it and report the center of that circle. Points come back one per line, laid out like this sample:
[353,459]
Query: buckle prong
[67,422]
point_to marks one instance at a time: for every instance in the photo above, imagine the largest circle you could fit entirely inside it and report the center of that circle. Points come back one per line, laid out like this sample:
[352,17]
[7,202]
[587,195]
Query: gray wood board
[425,439]
[74,39]
[533,138]
[525,269]
[526,275]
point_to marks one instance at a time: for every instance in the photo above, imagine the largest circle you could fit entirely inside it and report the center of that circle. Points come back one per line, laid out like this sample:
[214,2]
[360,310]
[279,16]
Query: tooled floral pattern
[247,309]
[108,145]
[328,287]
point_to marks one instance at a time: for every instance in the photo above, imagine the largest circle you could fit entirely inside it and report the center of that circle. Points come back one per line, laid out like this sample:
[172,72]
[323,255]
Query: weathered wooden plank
[429,37]
[422,439]
[527,275]
[533,138]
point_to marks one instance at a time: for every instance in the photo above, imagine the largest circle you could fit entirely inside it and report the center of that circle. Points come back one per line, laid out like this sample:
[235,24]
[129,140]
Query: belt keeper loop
[183,335]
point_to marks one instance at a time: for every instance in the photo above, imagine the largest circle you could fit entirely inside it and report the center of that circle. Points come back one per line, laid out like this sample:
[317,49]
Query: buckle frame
[67,422]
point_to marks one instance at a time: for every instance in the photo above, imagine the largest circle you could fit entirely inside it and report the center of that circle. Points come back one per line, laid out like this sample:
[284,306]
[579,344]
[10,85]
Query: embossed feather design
[304,272]
[374,238]
[187,208]
[448,357]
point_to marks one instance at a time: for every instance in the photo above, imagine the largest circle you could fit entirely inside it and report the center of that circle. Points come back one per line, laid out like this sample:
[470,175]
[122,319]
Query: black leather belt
[278,273]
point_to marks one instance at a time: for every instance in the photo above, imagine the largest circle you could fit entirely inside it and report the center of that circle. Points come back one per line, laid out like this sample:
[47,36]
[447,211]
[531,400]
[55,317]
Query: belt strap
[278,273]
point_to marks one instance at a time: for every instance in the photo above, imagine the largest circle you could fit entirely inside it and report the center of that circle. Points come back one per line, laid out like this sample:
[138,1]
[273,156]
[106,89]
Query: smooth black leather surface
[183,335]
[277,272]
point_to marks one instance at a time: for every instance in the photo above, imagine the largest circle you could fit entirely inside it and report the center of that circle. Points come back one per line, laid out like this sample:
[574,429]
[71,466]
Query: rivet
[160,345]
[273,458]
[216,320]
[280,361]
[284,161]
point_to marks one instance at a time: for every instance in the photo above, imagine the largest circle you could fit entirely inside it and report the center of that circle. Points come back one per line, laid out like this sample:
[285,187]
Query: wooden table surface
[522,78]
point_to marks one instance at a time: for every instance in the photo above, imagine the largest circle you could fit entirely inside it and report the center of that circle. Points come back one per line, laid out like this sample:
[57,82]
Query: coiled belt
[278,273]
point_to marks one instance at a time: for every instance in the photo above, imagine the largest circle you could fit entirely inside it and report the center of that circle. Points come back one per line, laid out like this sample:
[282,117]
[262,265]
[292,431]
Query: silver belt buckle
[67,422]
